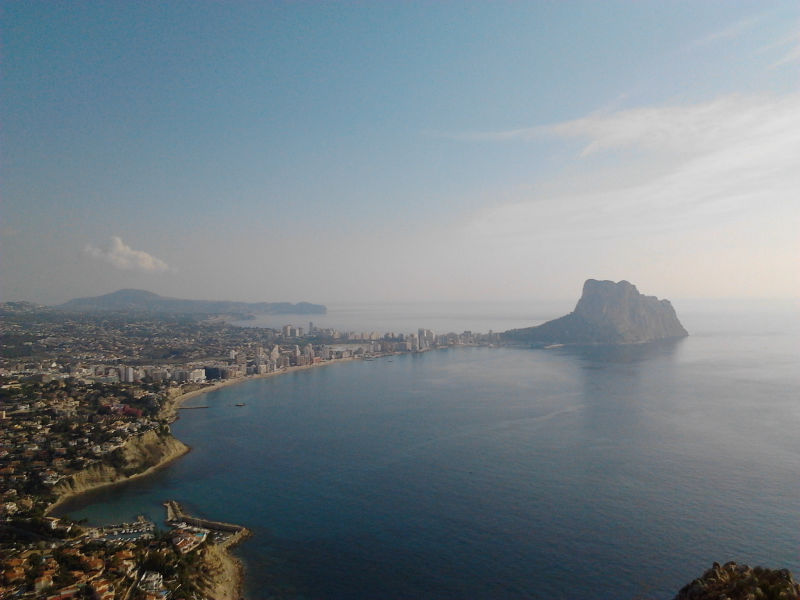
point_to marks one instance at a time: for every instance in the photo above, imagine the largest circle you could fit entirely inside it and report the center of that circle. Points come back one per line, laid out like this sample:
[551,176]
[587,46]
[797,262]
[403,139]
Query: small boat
[240,404]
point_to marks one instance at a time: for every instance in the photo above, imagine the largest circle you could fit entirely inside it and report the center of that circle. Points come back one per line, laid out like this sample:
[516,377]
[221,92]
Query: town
[87,399]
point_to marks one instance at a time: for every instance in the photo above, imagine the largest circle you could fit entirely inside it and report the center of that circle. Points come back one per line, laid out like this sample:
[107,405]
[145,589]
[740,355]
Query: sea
[480,472]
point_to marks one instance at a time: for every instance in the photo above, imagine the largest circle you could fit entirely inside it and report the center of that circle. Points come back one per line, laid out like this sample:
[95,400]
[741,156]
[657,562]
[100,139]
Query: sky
[342,152]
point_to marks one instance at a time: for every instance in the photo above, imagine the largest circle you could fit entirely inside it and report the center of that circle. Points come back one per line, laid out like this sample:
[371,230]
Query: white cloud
[788,46]
[726,148]
[719,176]
[733,30]
[681,128]
[694,128]
[792,56]
[122,256]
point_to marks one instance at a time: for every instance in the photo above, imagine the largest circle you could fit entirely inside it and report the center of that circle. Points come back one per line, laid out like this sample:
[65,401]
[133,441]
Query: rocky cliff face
[141,453]
[151,449]
[608,313]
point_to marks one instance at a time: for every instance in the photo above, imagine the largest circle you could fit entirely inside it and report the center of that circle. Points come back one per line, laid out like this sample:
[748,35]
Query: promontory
[607,313]
[139,301]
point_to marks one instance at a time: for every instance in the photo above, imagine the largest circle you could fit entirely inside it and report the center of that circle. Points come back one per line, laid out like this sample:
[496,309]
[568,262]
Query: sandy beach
[170,409]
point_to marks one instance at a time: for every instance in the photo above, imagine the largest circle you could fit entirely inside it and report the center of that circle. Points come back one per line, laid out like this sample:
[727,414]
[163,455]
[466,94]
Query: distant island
[143,301]
[607,313]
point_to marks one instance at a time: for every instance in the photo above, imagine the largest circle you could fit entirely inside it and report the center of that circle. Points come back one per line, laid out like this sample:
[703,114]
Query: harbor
[223,534]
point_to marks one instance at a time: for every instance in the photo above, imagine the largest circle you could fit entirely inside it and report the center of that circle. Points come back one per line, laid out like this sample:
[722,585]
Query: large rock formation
[740,582]
[607,313]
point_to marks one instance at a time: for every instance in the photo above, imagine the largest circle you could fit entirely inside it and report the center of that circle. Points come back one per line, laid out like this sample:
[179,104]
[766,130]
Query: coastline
[225,571]
[69,495]
[173,405]
[170,413]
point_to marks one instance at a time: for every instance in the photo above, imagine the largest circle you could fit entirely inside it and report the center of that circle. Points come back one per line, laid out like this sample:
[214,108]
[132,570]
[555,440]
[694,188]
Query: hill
[607,313]
[144,301]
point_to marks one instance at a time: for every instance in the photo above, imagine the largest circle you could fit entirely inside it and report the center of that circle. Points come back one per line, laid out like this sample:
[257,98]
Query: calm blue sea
[504,473]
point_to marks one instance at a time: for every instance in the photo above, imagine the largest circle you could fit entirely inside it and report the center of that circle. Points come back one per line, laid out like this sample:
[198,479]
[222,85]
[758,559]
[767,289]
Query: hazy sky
[335,152]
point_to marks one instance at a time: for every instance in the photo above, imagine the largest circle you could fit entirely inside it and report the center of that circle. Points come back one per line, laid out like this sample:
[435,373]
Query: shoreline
[226,570]
[67,496]
[173,405]
[170,413]
[223,571]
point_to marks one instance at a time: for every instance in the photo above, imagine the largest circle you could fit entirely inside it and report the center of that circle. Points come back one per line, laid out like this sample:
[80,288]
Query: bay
[503,472]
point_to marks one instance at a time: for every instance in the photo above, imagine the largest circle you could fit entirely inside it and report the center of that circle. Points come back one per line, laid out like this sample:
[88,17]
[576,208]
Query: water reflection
[624,353]
[621,386]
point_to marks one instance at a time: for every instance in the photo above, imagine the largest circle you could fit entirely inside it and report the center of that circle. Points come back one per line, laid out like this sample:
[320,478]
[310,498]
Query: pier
[232,534]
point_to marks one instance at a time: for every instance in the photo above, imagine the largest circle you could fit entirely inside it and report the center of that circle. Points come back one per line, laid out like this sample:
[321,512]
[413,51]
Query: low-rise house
[43,583]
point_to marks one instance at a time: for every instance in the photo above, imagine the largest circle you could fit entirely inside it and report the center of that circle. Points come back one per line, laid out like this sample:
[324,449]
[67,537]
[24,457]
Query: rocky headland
[222,575]
[607,313]
[142,454]
[740,582]
[133,301]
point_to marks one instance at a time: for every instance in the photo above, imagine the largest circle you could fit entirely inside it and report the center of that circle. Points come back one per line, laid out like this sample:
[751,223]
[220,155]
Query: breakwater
[175,514]
[224,574]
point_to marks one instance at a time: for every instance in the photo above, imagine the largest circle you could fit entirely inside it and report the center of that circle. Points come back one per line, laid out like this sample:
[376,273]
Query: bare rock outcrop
[607,313]
[740,582]
[151,450]
[141,453]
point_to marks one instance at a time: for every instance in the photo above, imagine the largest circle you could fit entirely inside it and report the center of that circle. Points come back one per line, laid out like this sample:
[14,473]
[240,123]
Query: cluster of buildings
[253,358]
[62,571]
[61,413]
[75,389]
[188,538]
[51,430]
[77,567]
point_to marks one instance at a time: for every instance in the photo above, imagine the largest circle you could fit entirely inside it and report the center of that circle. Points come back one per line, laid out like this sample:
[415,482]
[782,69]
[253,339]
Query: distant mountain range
[607,313]
[143,301]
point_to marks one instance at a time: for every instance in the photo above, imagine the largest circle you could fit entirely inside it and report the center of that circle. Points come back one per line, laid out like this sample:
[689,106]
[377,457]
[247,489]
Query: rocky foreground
[740,582]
